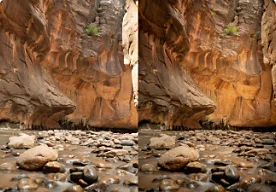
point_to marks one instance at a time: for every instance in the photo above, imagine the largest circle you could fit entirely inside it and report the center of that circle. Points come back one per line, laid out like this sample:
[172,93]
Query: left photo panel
[68,95]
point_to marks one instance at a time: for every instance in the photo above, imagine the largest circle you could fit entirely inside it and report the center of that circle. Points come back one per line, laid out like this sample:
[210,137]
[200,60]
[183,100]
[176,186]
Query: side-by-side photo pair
[137,96]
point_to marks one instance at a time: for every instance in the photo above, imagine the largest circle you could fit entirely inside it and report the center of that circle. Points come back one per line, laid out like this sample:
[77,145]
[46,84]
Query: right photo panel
[207,95]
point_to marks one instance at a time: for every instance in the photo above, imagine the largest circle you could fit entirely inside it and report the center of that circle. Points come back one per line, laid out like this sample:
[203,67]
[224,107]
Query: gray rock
[90,174]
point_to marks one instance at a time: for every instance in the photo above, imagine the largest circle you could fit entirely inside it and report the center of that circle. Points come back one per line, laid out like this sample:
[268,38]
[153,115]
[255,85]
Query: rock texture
[189,64]
[36,158]
[50,68]
[167,93]
[269,39]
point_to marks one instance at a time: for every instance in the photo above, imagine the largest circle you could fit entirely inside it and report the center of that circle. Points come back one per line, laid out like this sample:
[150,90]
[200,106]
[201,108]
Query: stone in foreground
[177,158]
[36,158]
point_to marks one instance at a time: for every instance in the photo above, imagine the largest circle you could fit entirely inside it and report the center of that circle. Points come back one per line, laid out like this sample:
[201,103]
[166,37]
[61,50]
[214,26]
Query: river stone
[57,176]
[231,174]
[127,143]
[76,176]
[165,141]
[249,180]
[260,188]
[52,167]
[21,142]
[27,184]
[108,180]
[168,185]
[215,188]
[148,168]
[74,188]
[195,167]
[36,158]
[117,188]
[90,174]
[268,141]
[7,167]
[177,158]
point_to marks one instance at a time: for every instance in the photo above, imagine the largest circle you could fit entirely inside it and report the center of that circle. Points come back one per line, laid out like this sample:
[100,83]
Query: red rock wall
[72,72]
[228,69]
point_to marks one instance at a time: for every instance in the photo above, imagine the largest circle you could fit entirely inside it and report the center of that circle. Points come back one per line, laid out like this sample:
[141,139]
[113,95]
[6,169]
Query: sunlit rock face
[184,45]
[50,67]
[167,93]
[269,39]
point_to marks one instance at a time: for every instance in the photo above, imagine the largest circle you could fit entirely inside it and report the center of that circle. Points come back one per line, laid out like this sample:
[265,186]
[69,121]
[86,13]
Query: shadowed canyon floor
[62,160]
[207,160]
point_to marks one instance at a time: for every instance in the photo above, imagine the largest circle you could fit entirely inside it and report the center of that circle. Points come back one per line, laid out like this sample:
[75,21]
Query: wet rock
[90,174]
[260,188]
[168,185]
[199,177]
[249,180]
[195,167]
[74,188]
[57,176]
[100,163]
[161,177]
[83,183]
[127,143]
[96,187]
[191,185]
[148,168]
[116,153]
[231,174]
[36,158]
[7,167]
[22,141]
[19,177]
[52,167]
[217,176]
[108,180]
[177,158]
[118,188]
[256,151]
[216,188]
[76,176]
[268,141]
[162,142]
[180,181]
[27,184]
[131,180]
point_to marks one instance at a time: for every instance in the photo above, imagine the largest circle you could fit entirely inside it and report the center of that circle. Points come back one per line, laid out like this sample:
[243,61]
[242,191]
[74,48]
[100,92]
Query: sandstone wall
[228,69]
[51,68]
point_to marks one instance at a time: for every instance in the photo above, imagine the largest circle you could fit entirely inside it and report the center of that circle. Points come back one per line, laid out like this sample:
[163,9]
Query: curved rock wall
[63,69]
[227,68]
[167,93]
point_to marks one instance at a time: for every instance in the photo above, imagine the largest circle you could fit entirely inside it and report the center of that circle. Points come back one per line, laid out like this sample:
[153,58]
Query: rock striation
[195,55]
[52,69]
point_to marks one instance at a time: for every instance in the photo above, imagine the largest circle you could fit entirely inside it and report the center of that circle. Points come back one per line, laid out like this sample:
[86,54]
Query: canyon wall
[214,47]
[53,68]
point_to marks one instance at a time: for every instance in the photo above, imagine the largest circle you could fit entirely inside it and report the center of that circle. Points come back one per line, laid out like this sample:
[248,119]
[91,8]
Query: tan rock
[36,158]
[177,158]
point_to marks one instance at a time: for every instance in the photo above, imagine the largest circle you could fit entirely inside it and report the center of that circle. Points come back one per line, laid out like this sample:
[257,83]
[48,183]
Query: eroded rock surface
[51,67]
[190,63]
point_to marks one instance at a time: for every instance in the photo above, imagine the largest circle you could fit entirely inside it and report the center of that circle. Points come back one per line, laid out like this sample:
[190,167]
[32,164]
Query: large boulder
[36,158]
[177,158]
[22,141]
[165,141]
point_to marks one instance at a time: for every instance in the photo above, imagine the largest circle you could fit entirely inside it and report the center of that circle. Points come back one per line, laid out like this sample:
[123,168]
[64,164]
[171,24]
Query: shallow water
[208,154]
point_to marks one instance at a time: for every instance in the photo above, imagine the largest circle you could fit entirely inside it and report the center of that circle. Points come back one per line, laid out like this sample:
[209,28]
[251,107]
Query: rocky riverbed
[207,161]
[69,161]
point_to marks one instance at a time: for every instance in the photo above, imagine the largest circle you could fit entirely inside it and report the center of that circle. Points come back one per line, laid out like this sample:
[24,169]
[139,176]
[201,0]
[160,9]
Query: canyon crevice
[52,69]
[207,61]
